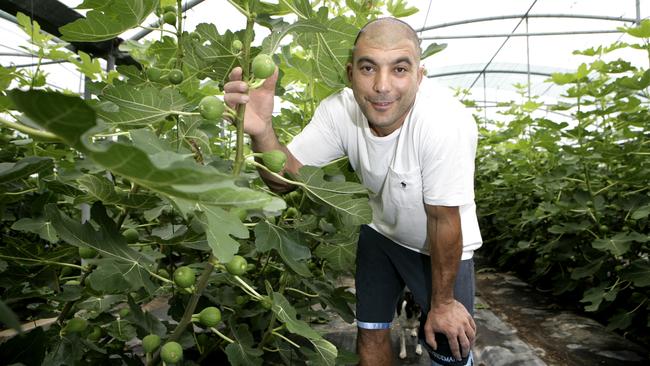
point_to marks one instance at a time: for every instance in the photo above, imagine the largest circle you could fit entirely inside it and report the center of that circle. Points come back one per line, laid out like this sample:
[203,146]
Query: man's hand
[259,102]
[453,320]
[258,122]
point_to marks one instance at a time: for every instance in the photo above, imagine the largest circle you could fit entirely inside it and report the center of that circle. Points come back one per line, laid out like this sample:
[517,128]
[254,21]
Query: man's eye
[400,69]
[366,68]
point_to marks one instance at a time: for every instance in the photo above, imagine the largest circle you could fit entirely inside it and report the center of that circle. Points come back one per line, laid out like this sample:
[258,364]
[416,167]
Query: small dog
[408,319]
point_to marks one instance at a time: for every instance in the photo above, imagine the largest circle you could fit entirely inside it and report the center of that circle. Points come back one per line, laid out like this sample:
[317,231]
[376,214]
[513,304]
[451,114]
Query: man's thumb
[431,340]
[270,82]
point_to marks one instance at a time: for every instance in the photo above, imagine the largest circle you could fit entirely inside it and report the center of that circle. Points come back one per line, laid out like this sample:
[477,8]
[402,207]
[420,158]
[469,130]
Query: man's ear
[421,72]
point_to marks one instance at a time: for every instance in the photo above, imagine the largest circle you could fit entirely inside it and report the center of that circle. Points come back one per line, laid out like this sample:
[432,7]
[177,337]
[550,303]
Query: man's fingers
[235,91]
[233,99]
[235,74]
[236,86]
[269,83]
[431,339]
[471,333]
[465,344]
[455,347]
[472,323]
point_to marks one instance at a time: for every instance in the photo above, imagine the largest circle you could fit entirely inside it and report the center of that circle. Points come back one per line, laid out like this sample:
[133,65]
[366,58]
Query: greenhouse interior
[144,221]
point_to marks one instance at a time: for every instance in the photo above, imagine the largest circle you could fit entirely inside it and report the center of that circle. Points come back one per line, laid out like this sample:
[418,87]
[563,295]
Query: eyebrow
[397,61]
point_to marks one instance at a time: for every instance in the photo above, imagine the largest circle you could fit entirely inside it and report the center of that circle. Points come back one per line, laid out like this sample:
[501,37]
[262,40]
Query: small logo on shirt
[403,184]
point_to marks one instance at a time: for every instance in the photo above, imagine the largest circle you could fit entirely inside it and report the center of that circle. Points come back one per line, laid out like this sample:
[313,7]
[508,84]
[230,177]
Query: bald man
[413,146]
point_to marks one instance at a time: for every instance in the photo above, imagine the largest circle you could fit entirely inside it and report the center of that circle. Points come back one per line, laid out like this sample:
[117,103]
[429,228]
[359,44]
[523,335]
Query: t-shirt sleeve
[447,158]
[319,142]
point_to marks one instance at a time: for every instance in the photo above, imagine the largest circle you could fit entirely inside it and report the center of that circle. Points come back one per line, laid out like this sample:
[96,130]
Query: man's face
[385,75]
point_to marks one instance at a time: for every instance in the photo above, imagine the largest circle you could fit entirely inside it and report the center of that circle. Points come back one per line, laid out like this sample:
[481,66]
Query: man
[414,148]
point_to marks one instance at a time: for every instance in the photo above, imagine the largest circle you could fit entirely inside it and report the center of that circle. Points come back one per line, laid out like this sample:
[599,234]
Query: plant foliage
[77,173]
[565,202]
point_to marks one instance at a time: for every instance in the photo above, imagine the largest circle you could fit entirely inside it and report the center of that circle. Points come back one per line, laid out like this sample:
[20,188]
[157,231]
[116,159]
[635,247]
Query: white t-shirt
[430,159]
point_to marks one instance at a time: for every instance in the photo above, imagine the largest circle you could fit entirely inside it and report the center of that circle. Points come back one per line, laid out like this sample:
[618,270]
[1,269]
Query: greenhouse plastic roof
[487,57]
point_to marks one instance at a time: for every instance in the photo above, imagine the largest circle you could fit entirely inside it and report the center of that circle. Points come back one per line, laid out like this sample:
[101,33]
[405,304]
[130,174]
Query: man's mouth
[381,104]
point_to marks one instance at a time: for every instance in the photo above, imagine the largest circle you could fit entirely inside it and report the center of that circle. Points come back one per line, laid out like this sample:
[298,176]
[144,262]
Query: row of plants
[135,227]
[563,190]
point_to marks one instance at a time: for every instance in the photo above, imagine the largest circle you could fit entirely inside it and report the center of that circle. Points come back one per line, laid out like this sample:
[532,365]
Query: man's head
[385,72]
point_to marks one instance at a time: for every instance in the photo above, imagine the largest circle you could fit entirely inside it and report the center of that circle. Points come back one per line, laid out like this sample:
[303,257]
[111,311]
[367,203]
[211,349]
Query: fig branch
[241,109]
[189,309]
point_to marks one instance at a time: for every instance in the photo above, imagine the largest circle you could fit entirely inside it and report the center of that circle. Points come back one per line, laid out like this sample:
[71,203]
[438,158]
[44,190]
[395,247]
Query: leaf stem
[269,331]
[21,192]
[246,287]
[76,266]
[241,109]
[181,113]
[156,275]
[68,305]
[300,292]
[156,29]
[189,308]
[241,10]
[38,66]
[125,212]
[28,130]
[276,175]
[179,31]
[221,335]
[286,339]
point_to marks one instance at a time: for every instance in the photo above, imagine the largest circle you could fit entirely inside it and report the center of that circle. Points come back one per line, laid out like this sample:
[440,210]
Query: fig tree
[237,265]
[75,325]
[291,213]
[150,343]
[274,160]
[237,45]
[87,252]
[95,334]
[131,235]
[171,352]
[184,277]
[263,66]
[163,273]
[175,76]
[154,74]
[170,18]
[211,108]
[210,316]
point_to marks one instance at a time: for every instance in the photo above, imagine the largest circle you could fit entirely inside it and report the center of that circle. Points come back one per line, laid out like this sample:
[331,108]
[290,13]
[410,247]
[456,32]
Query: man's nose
[382,82]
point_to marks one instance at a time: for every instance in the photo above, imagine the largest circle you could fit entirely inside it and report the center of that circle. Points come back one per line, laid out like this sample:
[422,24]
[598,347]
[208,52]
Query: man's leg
[374,347]
[378,286]
[464,289]
[415,269]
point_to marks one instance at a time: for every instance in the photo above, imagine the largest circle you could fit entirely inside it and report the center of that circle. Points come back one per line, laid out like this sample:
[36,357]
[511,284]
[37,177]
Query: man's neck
[382,132]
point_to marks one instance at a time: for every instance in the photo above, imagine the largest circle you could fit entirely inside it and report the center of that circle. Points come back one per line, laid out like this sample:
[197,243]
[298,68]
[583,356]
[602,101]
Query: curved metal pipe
[519,16]
[501,35]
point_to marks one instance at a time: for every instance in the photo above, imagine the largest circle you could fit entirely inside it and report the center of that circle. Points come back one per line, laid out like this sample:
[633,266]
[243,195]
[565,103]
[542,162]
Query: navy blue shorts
[384,268]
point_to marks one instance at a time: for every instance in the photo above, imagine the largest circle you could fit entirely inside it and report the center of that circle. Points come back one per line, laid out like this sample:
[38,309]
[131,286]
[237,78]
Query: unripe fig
[263,66]
[274,160]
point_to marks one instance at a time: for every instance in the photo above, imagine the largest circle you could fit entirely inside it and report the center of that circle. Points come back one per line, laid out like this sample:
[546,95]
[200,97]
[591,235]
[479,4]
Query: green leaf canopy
[24,168]
[268,236]
[121,267]
[166,172]
[337,195]
[107,20]
[140,107]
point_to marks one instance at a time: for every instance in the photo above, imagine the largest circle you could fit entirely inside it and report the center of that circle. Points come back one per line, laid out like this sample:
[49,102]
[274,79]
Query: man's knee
[374,338]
